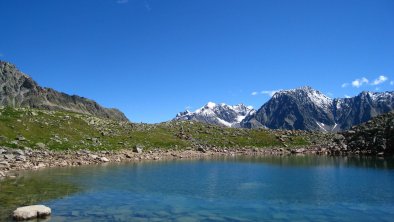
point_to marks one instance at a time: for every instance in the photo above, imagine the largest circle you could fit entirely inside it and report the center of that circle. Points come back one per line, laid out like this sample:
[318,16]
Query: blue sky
[154,58]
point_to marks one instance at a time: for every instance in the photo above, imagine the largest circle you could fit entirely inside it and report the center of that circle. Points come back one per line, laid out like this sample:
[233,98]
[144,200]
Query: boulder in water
[31,212]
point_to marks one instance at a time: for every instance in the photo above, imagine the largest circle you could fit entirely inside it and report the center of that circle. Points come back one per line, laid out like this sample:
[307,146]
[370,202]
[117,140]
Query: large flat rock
[31,212]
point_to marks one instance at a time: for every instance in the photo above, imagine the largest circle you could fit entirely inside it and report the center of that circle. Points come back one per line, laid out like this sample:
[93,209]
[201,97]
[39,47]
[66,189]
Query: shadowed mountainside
[19,90]
[308,109]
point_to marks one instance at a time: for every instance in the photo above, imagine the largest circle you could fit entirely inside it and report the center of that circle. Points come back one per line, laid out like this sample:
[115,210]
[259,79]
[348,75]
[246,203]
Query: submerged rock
[31,212]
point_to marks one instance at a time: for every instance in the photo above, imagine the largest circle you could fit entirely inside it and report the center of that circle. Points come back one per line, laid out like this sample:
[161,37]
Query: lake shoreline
[17,160]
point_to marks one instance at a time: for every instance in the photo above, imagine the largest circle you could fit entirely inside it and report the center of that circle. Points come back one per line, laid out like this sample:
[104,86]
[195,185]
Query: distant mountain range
[302,109]
[218,114]
[308,109]
[19,90]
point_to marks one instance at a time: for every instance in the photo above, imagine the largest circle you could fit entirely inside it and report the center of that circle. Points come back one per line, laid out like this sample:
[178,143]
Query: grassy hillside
[59,130]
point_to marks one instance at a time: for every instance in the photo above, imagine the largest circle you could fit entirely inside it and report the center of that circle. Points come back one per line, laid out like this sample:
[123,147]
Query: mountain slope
[19,90]
[361,108]
[373,136]
[62,130]
[308,109]
[217,114]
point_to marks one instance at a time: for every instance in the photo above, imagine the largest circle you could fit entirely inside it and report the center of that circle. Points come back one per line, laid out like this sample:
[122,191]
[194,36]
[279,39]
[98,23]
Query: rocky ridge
[308,109]
[218,114]
[19,90]
[376,136]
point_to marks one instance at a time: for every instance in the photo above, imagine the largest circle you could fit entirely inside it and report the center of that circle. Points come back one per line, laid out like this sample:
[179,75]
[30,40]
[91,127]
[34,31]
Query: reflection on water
[284,188]
[28,190]
[321,161]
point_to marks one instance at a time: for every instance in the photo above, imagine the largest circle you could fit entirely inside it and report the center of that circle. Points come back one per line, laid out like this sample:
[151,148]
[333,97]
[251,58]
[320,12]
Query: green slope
[59,130]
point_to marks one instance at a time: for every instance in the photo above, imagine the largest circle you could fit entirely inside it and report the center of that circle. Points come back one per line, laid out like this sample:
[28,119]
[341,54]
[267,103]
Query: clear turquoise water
[237,189]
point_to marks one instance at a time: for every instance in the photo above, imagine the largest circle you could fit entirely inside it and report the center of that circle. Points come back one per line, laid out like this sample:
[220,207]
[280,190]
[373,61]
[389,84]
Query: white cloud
[344,85]
[379,80]
[364,81]
[122,1]
[392,83]
[359,82]
[347,96]
[270,92]
[266,92]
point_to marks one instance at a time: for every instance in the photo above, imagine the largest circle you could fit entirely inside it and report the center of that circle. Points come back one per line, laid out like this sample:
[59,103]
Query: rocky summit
[308,109]
[218,114]
[19,90]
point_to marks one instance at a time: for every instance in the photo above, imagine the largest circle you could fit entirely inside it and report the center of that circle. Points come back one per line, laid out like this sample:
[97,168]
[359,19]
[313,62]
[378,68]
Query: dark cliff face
[361,108]
[308,109]
[19,90]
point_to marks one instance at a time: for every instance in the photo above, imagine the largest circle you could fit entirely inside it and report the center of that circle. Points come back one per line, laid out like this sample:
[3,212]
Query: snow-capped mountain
[218,114]
[361,108]
[308,109]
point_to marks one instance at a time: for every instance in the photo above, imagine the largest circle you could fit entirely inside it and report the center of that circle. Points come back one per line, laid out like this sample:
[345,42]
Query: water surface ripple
[289,188]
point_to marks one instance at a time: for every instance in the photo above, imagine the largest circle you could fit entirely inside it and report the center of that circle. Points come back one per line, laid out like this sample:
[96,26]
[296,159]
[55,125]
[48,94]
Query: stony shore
[14,160]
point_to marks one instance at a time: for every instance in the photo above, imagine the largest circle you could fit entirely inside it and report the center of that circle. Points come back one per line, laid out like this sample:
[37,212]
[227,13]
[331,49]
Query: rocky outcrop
[19,90]
[376,136]
[308,109]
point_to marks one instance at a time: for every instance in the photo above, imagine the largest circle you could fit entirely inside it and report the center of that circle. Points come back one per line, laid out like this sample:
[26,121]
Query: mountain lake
[269,188]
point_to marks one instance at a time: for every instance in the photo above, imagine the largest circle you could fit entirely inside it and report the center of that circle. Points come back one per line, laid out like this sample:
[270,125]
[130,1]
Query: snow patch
[335,126]
[321,125]
[224,122]
[211,105]
[319,99]
[240,118]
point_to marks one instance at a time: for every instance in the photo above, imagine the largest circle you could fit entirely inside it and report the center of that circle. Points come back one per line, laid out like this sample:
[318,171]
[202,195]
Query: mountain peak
[299,89]
[211,105]
[4,63]
[308,109]
[20,90]
[307,94]
[218,114]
